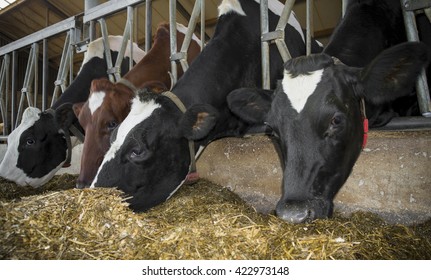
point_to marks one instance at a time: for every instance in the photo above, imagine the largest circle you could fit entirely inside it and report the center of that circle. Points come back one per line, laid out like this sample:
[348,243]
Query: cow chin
[303,211]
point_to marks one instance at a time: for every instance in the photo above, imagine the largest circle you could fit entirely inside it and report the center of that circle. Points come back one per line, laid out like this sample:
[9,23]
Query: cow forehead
[140,111]
[96,100]
[299,88]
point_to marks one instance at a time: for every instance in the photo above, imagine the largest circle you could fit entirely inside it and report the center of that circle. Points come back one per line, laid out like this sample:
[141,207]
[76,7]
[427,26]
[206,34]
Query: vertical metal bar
[13,89]
[344,7]
[421,84]
[264,28]
[188,36]
[202,24]
[45,73]
[70,57]
[3,92]
[36,73]
[131,20]
[108,57]
[173,38]
[148,24]
[310,26]
[6,120]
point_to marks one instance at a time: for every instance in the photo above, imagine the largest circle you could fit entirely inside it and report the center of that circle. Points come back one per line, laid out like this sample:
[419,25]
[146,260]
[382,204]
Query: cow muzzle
[297,212]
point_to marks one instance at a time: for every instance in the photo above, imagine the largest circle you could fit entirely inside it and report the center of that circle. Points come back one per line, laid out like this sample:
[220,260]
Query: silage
[202,221]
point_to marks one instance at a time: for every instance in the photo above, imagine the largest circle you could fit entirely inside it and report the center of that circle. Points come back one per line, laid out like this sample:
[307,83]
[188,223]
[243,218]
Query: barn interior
[391,177]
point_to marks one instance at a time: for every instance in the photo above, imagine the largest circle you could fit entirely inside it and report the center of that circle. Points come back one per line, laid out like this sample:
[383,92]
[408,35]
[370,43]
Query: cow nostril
[295,213]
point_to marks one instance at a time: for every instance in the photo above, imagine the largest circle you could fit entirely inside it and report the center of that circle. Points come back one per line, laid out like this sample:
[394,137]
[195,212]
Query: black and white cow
[37,148]
[149,158]
[315,112]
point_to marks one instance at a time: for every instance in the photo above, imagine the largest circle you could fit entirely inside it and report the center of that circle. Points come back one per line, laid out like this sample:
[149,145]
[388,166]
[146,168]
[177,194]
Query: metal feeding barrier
[97,13]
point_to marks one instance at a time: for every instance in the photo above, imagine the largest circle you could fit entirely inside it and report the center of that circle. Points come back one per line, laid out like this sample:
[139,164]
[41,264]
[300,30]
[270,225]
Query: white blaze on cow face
[95,100]
[299,88]
[138,113]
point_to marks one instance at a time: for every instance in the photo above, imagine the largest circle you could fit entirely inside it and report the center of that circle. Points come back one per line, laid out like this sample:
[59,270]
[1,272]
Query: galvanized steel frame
[181,56]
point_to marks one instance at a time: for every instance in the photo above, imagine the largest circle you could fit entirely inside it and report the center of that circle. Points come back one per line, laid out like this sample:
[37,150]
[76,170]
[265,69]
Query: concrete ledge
[392,176]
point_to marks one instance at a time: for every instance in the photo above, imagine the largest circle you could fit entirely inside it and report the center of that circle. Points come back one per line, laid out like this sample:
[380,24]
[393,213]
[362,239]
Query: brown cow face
[106,107]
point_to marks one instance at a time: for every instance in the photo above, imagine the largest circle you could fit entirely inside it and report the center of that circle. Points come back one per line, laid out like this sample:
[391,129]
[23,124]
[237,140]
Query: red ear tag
[364,142]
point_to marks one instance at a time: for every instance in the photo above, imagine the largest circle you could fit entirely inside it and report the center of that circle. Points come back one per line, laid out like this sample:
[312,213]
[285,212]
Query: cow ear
[393,73]
[250,104]
[156,87]
[64,115]
[77,107]
[198,121]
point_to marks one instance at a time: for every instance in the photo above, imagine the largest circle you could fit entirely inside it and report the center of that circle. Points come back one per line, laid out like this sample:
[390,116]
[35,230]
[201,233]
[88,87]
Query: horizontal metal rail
[45,33]
[108,8]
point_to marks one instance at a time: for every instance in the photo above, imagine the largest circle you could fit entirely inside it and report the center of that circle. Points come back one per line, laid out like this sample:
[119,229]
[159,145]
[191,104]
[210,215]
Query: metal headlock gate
[96,13]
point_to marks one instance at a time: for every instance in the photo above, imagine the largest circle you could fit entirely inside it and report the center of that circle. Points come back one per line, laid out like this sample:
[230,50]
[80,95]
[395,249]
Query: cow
[109,103]
[152,150]
[37,148]
[317,111]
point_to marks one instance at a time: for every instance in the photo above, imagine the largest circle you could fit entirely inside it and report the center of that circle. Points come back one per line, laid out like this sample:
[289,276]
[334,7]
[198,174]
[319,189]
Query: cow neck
[129,85]
[362,109]
[192,175]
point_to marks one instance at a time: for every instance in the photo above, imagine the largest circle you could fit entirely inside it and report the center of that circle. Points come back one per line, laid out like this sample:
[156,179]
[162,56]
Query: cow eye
[337,120]
[112,125]
[30,141]
[139,155]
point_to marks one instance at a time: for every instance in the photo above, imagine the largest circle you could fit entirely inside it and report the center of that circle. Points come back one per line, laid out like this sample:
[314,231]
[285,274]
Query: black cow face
[315,114]
[37,149]
[149,157]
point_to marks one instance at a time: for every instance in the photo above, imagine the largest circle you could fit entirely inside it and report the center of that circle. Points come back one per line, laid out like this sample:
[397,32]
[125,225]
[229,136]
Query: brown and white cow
[109,103]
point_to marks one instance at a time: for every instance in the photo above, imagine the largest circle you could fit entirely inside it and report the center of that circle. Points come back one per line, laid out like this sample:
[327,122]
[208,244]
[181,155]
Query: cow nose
[294,212]
[303,211]
[81,185]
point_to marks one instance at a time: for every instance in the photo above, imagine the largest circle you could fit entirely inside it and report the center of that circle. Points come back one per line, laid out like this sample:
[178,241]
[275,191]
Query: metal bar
[45,74]
[63,69]
[410,5]
[344,7]
[126,38]
[188,36]
[13,89]
[47,32]
[285,14]
[148,24]
[108,8]
[6,121]
[403,123]
[310,27]
[130,20]
[264,28]
[202,24]
[173,39]
[421,84]
[3,92]
[108,57]
[35,77]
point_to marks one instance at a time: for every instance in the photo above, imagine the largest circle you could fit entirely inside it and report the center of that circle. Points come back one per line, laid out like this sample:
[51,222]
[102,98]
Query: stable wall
[392,176]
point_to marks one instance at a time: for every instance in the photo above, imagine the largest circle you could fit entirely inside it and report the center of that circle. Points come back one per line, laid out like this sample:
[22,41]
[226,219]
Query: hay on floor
[202,221]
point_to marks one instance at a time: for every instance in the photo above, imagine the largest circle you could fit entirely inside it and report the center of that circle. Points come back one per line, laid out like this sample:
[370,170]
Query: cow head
[36,149]
[151,147]
[107,106]
[315,114]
